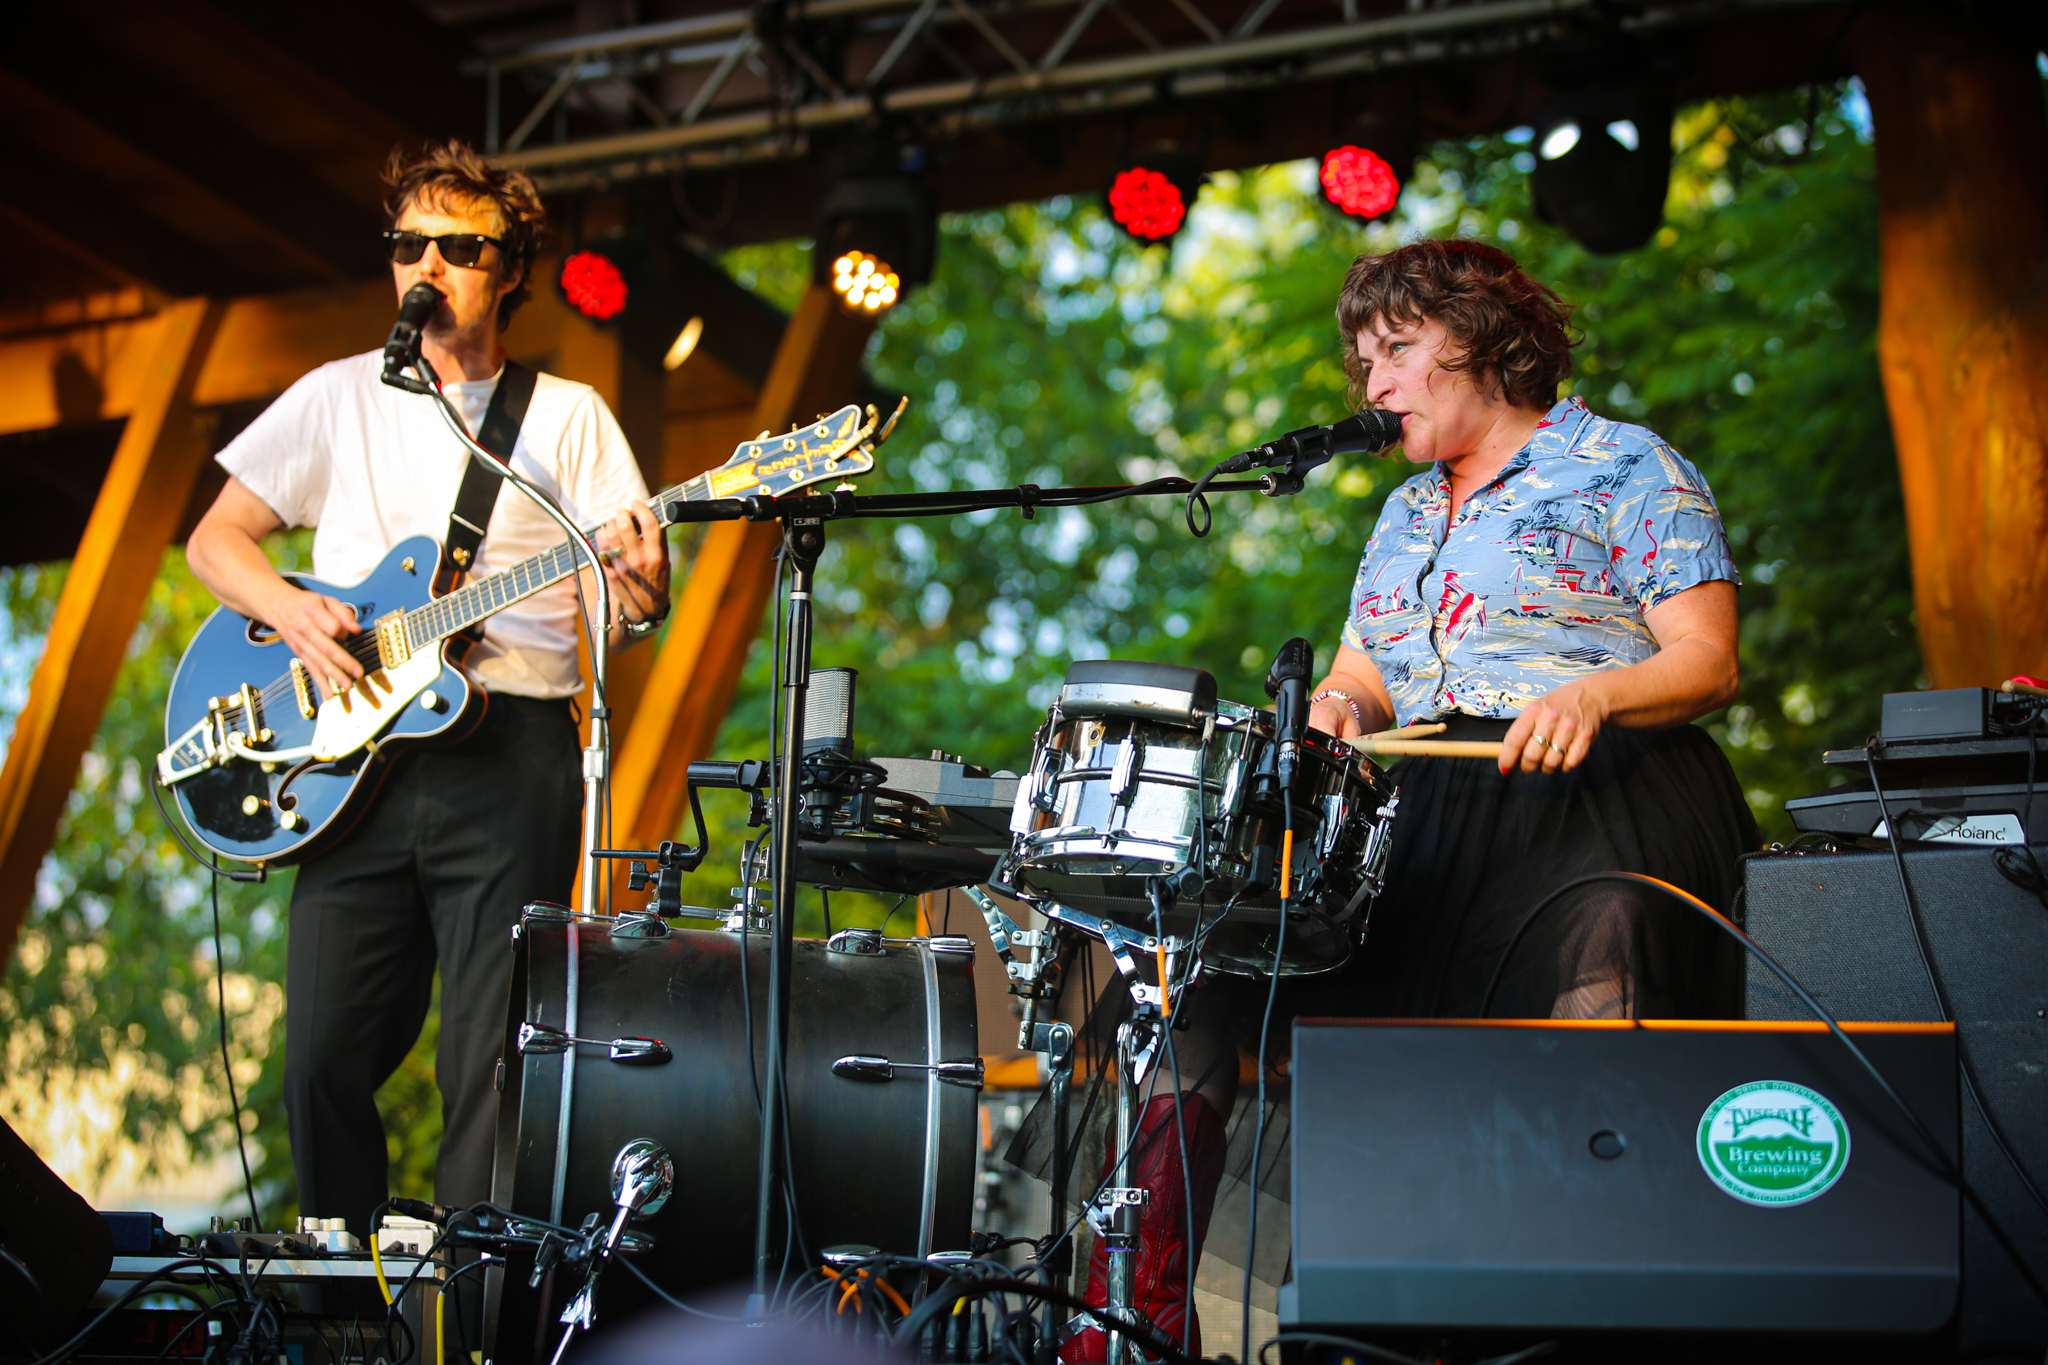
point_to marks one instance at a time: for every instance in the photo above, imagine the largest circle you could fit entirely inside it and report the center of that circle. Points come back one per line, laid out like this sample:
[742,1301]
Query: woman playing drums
[1552,579]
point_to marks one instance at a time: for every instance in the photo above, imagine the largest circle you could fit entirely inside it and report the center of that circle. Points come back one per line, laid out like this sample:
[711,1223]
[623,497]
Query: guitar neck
[486,597]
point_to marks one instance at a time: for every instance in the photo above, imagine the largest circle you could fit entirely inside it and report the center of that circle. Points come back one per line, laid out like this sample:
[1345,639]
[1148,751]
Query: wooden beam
[138,509]
[1962,179]
[718,608]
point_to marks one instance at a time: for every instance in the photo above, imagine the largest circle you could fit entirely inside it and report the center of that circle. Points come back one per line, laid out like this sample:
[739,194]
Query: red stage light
[1146,204]
[594,286]
[1360,182]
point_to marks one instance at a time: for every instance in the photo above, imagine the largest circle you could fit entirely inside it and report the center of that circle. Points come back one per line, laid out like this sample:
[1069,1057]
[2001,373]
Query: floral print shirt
[1545,575]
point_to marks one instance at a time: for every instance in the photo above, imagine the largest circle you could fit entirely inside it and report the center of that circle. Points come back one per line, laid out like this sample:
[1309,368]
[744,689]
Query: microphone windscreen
[828,711]
[1365,433]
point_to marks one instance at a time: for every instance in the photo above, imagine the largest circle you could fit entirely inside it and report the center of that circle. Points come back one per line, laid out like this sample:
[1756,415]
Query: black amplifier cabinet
[1839,924]
[1660,1185]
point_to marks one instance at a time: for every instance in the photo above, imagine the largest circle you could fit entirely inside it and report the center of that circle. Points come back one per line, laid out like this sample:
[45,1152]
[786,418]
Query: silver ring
[1541,740]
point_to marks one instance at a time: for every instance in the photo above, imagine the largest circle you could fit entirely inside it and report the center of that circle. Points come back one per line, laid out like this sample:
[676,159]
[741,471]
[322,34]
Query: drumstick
[1432,748]
[1408,732]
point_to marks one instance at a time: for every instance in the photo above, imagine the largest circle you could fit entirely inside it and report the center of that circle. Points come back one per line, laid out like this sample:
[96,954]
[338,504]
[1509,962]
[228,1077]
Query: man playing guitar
[459,837]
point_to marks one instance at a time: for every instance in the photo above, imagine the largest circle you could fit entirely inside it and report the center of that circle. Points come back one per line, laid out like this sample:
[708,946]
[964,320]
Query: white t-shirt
[367,466]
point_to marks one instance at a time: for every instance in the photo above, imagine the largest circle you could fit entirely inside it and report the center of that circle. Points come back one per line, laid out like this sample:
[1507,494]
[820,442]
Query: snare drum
[1141,771]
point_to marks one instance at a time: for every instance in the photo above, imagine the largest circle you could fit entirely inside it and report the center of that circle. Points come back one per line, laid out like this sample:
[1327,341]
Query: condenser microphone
[415,310]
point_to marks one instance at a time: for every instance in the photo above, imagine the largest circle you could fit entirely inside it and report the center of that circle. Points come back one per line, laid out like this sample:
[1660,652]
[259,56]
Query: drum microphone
[402,350]
[1363,433]
[1287,683]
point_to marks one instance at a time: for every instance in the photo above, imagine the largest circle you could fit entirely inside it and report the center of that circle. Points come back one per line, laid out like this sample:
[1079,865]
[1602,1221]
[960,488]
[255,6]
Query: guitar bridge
[302,690]
[231,726]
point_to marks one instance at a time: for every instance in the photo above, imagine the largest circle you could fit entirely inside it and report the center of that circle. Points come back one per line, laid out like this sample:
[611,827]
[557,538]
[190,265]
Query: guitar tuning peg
[763,436]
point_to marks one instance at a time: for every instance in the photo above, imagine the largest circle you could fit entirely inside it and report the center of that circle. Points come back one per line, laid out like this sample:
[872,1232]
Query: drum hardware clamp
[545,1041]
[966,1071]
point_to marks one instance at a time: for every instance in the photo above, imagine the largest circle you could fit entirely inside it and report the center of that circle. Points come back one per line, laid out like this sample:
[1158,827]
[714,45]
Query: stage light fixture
[864,282]
[1603,165]
[594,285]
[1144,203]
[1360,181]
[876,239]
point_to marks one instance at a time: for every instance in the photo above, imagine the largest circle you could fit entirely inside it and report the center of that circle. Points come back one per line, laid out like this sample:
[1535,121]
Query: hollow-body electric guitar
[264,771]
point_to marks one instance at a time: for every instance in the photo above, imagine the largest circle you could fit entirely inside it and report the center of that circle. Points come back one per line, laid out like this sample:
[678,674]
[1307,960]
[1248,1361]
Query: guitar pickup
[302,690]
[393,648]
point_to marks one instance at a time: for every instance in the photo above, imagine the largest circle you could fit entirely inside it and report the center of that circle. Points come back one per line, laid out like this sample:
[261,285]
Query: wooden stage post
[1962,183]
[718,607]
[137,513]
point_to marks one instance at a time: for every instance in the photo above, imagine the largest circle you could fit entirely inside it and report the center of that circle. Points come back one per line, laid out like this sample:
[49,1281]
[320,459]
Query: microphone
[415,310]
[1363,433]
[1287,683]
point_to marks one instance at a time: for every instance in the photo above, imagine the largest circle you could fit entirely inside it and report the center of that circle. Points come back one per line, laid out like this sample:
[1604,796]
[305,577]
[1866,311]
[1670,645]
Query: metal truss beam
[1017,88]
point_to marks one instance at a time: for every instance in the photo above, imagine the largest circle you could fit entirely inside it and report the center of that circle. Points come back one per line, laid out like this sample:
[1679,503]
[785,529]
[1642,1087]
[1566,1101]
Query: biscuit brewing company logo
[1773,1143]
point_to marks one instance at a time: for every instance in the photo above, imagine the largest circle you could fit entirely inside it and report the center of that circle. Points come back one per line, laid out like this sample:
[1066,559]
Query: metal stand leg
[1121,1205]
[804,541]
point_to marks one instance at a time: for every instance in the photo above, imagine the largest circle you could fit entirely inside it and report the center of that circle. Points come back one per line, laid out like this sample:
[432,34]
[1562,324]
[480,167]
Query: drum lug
[856,942]
[951,943]
[642,926]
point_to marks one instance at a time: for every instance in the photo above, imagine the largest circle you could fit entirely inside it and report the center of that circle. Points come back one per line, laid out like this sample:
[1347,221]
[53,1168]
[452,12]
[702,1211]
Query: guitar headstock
[836,446]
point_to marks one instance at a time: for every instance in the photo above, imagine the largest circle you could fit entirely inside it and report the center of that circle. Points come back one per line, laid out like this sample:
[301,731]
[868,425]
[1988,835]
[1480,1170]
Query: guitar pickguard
[352,720]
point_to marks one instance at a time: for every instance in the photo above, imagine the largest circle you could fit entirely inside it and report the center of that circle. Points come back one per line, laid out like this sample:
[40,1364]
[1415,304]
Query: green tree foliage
[1052,350]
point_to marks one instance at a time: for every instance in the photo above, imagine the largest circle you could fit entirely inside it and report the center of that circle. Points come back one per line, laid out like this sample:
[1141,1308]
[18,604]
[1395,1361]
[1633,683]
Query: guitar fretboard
[485,597]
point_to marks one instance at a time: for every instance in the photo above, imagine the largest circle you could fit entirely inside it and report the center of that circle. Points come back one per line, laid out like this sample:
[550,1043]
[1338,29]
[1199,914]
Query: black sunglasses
[457,248]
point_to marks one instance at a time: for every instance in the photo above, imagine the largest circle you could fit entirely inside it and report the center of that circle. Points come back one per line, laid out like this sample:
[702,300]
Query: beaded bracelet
[1333,694]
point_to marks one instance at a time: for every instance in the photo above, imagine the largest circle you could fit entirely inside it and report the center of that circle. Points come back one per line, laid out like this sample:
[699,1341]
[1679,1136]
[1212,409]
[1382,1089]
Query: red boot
[1165,1256]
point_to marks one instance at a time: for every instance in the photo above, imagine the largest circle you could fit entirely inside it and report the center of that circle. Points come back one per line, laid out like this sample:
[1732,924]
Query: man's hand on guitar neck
[226,552]
[637,569]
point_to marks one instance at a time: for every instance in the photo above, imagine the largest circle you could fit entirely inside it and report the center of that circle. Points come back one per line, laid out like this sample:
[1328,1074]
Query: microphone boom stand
[597,754]
[803,540]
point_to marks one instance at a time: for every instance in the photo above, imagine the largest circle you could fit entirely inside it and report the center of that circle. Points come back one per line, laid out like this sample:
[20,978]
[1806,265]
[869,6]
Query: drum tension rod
[967,1071]
[539,1038]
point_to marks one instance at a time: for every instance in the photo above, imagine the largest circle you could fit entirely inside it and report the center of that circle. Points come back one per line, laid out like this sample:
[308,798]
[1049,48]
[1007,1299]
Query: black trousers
[454,844]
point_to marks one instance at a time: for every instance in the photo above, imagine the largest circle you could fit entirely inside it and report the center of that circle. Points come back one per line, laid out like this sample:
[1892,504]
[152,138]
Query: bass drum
[886,1164]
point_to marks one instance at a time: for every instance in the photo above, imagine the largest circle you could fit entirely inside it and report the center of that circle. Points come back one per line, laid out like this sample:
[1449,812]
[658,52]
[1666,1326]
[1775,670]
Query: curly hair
[454,175]
[1505,327]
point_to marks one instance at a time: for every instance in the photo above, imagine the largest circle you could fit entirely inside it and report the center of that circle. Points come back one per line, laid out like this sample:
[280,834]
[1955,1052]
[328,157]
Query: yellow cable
[377,1263]
[440,1328]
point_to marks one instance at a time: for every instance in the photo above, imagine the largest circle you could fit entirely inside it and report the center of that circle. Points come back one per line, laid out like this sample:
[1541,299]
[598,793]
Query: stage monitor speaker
[64,1247]
[1680,1184]
[1838,922]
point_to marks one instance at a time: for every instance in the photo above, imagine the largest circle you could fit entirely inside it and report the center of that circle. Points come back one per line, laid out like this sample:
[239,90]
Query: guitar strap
[499,433]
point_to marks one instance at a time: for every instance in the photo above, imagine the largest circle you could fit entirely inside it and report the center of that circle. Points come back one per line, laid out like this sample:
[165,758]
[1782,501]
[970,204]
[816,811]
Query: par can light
[594,285]
[1359,181]
[865,283]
